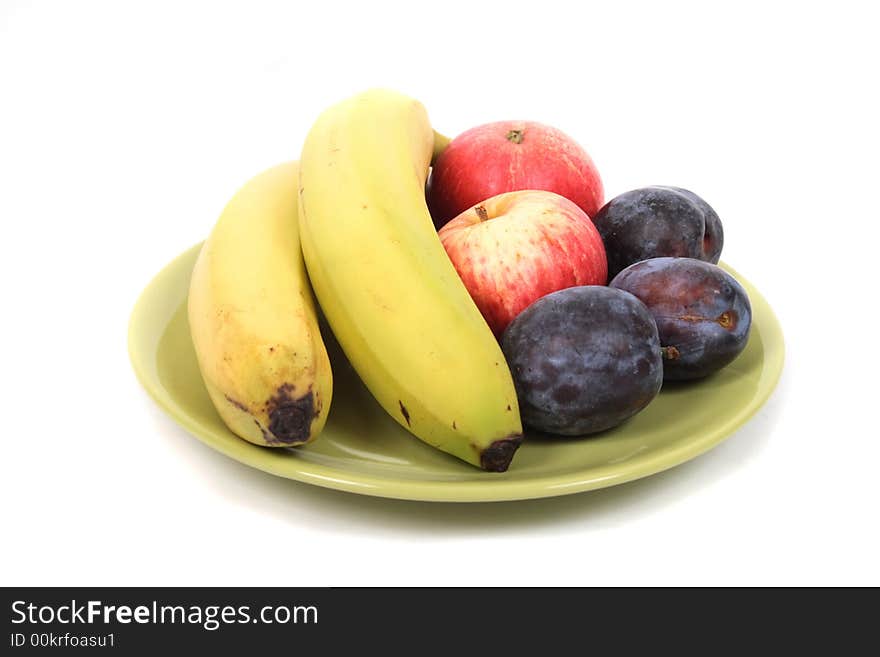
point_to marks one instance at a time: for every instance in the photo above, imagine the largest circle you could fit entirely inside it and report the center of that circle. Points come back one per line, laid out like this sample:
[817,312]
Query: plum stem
[481,212]
[515,136]
[670,353]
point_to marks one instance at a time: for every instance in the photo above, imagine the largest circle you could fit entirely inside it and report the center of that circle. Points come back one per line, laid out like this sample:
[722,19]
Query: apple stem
[516,136]
[481,212]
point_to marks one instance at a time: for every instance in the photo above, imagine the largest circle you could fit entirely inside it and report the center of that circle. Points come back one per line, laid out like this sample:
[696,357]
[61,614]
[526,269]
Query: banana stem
[440,144]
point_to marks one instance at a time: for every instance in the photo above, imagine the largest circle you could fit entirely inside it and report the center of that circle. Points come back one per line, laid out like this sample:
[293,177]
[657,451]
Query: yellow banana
[252,318]
[389,292]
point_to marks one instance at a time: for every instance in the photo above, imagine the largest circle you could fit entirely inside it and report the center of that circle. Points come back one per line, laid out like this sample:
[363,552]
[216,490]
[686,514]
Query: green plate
[362,450]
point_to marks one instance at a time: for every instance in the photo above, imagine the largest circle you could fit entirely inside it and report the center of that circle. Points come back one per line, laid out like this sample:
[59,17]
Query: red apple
[514,248]
[507,156]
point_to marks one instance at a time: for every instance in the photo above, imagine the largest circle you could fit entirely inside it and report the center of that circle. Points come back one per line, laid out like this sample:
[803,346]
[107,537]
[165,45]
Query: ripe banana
[252,318]
[389,291]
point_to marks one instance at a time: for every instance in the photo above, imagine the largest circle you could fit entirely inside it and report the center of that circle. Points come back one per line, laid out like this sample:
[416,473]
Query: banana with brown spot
[389,292]
[253,319]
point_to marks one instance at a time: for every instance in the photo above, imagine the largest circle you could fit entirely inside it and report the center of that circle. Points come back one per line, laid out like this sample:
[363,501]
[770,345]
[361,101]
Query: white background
[125,127]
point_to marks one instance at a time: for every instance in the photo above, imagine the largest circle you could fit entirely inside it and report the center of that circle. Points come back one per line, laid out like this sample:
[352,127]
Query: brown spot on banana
[237,404]
[266,435]
[404,412]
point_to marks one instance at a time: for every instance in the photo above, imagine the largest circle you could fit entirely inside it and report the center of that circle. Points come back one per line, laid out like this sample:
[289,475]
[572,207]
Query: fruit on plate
[516,247]
[252,318]
[507,156]
[389,292]
[583,359]
[653,222]
[703,314]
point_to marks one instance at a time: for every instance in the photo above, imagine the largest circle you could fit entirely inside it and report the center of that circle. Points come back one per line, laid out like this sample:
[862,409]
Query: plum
[703,314]
[658,221]
[583,359]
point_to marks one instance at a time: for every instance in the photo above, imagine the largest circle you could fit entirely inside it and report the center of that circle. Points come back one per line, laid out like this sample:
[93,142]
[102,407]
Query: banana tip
[290,419]
[497,456]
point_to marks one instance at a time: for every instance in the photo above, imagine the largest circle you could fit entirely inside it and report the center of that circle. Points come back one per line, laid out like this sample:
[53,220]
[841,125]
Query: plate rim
[495,488]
